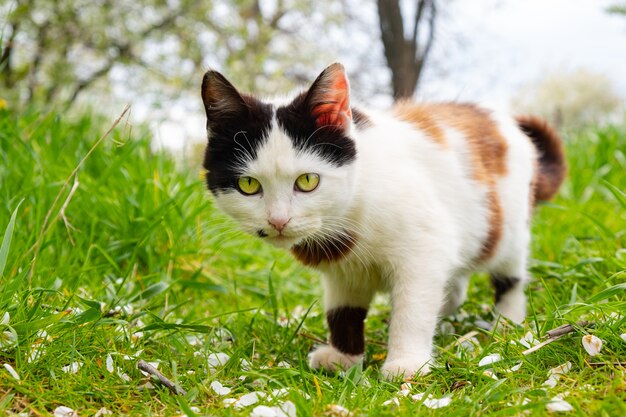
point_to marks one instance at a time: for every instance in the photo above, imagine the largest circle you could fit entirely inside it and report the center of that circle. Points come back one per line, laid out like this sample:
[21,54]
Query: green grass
[145,239]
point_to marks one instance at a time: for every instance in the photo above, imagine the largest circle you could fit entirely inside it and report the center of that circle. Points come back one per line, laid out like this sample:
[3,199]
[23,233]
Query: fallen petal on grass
[217,360]
[335,410]
[489,359]
[561,369]
[12,371]
[103,412]
[558,404]
[219,389]
[263,411]
[431,402]
[515,368]
[551,381]
[6,318]
[394,401]
[64,411]
[249,399]
[490,374]
[72,368]
[109,363]
[592,344]
[623,336]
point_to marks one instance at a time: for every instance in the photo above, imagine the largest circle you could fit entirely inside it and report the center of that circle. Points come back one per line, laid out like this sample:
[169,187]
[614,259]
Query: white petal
[558,404]
[6,317]
[263,411]
[489,359]
[490,374]
[72,368]
[417,397]
[229,401]
[561,369]
[286,409]
[528,340]
[103,412]
[64,411]
[515,368]
[217,360]
[592,344]
[437,403]
[122,375]
[219,388]
[551,381]
[393,401]
[12,371]
[249,399]
[623,336]
[109,363]
[280,392]
[335,410]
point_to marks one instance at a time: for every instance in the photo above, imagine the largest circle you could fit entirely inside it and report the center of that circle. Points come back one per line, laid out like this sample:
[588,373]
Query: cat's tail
[551,163]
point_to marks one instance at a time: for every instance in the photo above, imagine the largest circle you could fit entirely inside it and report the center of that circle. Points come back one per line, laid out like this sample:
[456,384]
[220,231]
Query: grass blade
[6,240]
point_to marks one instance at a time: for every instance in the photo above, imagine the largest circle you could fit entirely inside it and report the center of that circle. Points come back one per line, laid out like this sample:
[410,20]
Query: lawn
[128,260]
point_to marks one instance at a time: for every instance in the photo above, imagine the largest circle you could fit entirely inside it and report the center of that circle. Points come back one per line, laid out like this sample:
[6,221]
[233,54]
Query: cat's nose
[278,223]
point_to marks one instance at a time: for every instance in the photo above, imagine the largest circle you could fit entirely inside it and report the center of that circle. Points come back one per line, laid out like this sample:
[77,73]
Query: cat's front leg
[346,308]
[417,293]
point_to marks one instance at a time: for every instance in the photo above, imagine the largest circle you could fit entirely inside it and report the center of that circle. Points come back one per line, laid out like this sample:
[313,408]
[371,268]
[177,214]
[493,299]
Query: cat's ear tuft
[221,99]
[329,98]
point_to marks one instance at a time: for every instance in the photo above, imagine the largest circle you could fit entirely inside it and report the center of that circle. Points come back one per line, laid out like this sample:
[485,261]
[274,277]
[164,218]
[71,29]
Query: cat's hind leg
[346,308]
[509,279]
[456,293]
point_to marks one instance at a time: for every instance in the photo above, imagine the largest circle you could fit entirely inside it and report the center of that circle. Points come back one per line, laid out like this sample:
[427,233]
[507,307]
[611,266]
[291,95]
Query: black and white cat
[410,201]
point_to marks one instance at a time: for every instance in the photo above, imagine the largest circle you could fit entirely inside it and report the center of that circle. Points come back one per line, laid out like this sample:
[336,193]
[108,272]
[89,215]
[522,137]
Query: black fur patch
[346,329]
[233,139]
[330,142]
[503,284]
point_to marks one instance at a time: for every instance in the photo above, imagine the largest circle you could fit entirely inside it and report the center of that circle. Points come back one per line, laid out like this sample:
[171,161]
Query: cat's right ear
[222,101]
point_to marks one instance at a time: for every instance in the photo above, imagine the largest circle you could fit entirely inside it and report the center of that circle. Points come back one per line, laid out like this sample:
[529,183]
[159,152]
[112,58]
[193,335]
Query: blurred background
[562,59]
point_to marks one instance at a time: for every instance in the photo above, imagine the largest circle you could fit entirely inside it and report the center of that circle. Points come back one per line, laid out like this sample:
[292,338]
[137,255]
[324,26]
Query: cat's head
[284,172]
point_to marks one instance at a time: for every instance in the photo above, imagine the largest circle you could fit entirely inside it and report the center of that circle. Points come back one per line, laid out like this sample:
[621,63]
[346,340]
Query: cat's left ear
[329,98]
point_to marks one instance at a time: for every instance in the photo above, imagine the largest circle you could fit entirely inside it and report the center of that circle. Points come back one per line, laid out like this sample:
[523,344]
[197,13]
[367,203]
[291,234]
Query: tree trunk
[406,56]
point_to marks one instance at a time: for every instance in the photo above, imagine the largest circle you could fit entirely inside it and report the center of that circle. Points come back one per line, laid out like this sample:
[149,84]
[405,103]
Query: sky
[489,50]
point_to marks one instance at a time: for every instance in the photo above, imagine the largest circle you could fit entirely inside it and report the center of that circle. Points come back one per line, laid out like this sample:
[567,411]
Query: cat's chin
[283,242]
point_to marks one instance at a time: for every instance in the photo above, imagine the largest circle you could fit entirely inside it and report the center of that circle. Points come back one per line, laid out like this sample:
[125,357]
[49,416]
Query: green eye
[249,185]
[307,182]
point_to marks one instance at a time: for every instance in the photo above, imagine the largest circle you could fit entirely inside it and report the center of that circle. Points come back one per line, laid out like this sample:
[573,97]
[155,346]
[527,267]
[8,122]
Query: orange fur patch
[487,146]
[420,116]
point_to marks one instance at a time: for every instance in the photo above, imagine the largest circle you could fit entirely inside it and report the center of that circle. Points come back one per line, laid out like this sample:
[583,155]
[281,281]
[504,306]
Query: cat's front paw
[331,359]
[405,368]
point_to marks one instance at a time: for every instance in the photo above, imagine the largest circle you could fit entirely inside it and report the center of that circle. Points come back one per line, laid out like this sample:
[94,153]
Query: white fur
[420,217]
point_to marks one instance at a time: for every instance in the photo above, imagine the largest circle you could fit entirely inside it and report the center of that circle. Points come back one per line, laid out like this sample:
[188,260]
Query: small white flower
[12,371]
[217,360]
[558,404]
[592,344]
[623,336]
[6,317]
[103,412]
[489,359]
[394,401]
[109,363]
[282,320]
[219,388]
[263,411]
[561,369]
[8,338]
[72,368]
[64,411]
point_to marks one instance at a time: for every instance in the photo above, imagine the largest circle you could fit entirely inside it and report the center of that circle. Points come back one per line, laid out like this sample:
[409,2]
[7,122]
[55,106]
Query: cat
[410,201]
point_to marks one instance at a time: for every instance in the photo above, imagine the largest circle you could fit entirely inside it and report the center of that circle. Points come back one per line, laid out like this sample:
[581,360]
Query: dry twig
[146,367]
[68,225]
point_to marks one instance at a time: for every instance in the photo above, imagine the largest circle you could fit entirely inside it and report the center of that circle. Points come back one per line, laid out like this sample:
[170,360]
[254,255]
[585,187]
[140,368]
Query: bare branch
[146,367]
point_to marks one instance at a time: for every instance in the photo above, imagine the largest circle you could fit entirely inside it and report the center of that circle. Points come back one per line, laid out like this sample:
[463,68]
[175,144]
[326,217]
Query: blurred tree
[571,99]
[618,8]
[54,50]
[406,52]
